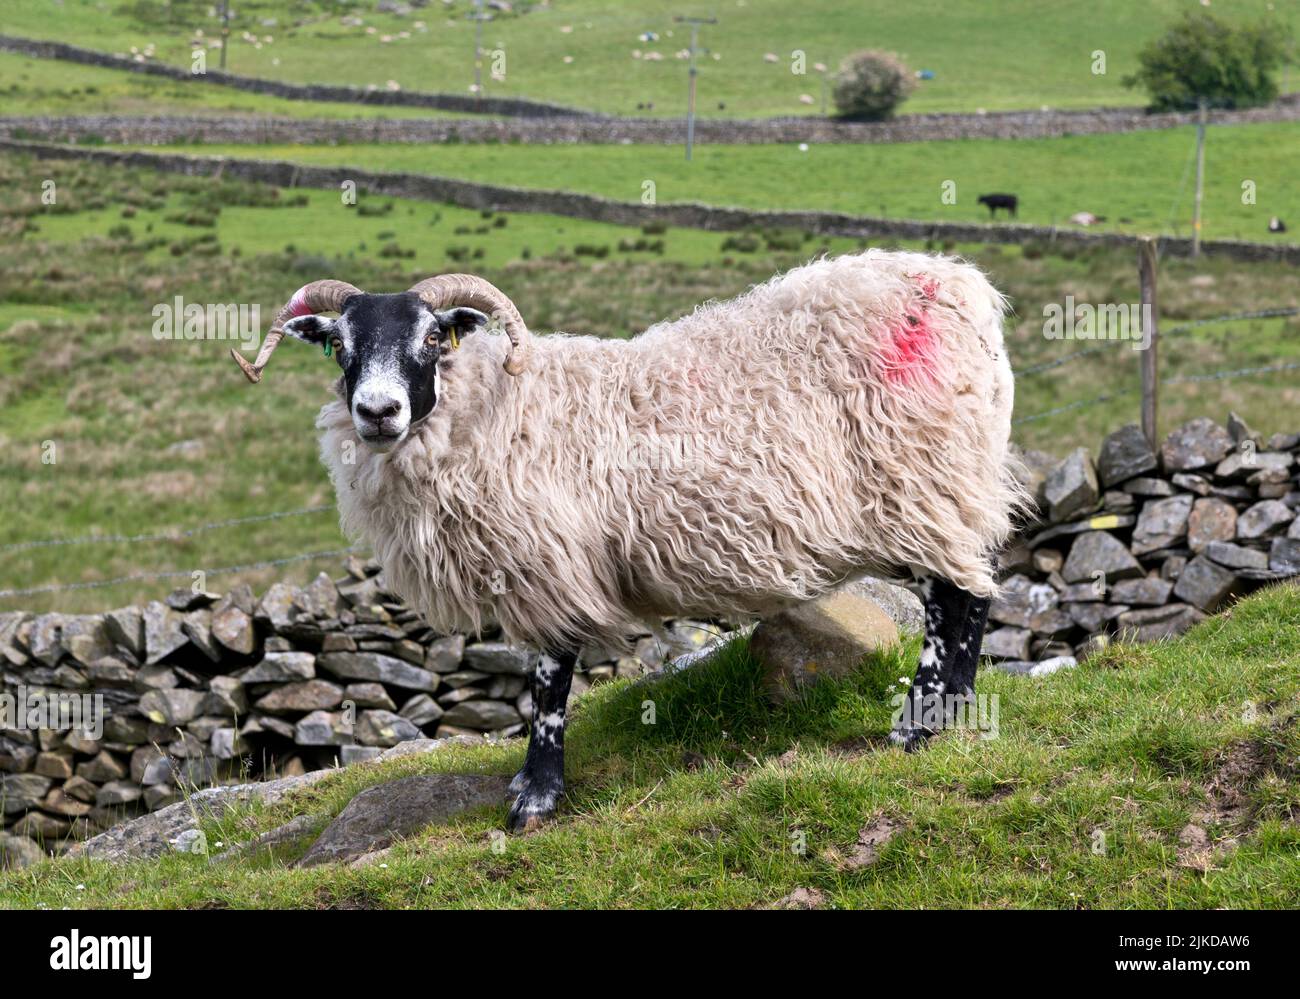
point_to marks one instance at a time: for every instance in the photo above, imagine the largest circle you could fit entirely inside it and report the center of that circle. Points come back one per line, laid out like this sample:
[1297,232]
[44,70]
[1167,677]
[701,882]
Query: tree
[871,84]
[1204,57]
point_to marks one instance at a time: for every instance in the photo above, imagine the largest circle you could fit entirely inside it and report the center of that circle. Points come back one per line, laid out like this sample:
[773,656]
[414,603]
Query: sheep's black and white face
[390,348]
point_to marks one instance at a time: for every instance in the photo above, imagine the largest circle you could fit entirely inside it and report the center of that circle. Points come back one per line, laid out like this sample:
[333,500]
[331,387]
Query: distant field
[30,86]
[156,435]
[1006,54]
[1140,181]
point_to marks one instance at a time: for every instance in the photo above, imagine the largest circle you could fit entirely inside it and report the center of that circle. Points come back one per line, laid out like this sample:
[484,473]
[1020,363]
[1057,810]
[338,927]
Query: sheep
[849,417]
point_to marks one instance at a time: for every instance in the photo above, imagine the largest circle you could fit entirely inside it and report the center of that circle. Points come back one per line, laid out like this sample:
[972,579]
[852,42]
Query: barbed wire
[1216,376]
[1212,376]
[177,573]
[1070,406]
[90,539]
[1042,366]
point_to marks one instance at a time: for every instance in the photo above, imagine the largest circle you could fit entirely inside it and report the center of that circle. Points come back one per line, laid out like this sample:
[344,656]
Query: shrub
[740,244]
[1202,56]
[871,84]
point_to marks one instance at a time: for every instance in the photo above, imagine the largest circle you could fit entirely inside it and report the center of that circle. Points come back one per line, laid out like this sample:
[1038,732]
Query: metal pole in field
[478,17]
[695,23]
[225,30]
[1150,329]
[1200,177]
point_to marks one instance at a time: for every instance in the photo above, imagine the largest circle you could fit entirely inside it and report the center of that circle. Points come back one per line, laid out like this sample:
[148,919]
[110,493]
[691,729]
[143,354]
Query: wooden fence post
[1150,330]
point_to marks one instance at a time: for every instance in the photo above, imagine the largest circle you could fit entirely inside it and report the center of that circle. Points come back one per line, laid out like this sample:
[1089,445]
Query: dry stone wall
[597,130]
[204,688]
[1142,543]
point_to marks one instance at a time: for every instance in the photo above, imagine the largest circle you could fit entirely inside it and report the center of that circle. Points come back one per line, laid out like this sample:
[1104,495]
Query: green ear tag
[328,347]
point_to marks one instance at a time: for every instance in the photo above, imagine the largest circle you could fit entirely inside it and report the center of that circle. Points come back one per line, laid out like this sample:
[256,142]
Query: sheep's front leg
[540,783]
[947,608]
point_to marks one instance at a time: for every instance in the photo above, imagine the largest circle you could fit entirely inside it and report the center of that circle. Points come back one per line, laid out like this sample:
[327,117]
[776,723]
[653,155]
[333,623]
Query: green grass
[31,86]
[1013,54]
[1141,182]
[1077,802]
[79,365]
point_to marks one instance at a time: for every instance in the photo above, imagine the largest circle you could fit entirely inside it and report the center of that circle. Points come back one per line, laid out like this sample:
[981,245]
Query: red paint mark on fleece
[909,351]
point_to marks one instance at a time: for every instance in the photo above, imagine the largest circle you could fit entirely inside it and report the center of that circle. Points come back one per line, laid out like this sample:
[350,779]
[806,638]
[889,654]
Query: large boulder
[901,604]
[827,637]
[176,825]
[379,816]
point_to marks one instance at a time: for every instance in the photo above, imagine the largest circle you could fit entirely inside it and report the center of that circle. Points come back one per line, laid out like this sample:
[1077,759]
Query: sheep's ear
[310,329]
[459,321]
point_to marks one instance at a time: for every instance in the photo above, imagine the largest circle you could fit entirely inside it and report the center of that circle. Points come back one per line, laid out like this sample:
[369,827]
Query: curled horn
[319,296]
[466,289]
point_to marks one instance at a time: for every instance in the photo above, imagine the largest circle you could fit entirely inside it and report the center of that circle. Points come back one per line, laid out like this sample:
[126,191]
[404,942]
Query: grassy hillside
[1012,54]
[153,436]
[1093,793]
[30,86]
[1140,182]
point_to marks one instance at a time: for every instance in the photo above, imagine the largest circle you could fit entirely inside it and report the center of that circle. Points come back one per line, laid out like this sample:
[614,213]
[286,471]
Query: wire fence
[137,577]
[1164,335]
[133,539]
[1196,324]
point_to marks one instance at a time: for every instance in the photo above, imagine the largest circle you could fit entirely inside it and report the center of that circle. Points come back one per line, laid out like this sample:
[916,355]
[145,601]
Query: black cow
[996,201]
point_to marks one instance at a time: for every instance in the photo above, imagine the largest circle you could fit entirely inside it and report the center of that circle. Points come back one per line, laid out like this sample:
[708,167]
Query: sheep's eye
[431,340]
[337,344]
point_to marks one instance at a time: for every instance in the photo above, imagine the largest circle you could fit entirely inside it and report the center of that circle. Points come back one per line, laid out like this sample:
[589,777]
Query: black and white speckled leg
[962,680]
[540,783]
[946,612]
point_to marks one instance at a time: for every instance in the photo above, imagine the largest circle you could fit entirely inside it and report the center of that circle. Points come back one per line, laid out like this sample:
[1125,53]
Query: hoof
[531,810]
[910,739]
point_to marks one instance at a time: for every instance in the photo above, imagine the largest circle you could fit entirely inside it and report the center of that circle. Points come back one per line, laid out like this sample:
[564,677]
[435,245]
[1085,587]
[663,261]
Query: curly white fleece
[849,417]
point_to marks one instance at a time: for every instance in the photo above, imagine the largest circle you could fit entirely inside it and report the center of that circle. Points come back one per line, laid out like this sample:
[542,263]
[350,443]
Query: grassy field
[1140,181]
[30,86]
[155,435]
[1011,54]
[1086,794]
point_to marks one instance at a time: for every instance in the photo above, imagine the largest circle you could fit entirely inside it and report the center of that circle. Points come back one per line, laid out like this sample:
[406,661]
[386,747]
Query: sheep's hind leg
[540,783]
[947,609]
[962,682]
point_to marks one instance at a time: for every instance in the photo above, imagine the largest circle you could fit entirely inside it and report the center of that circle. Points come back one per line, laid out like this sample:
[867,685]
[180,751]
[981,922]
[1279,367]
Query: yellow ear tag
[455,340]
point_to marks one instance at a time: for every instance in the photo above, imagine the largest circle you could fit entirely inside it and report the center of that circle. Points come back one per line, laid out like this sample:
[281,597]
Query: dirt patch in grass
[801,898]
[866,850]
[1229,806]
